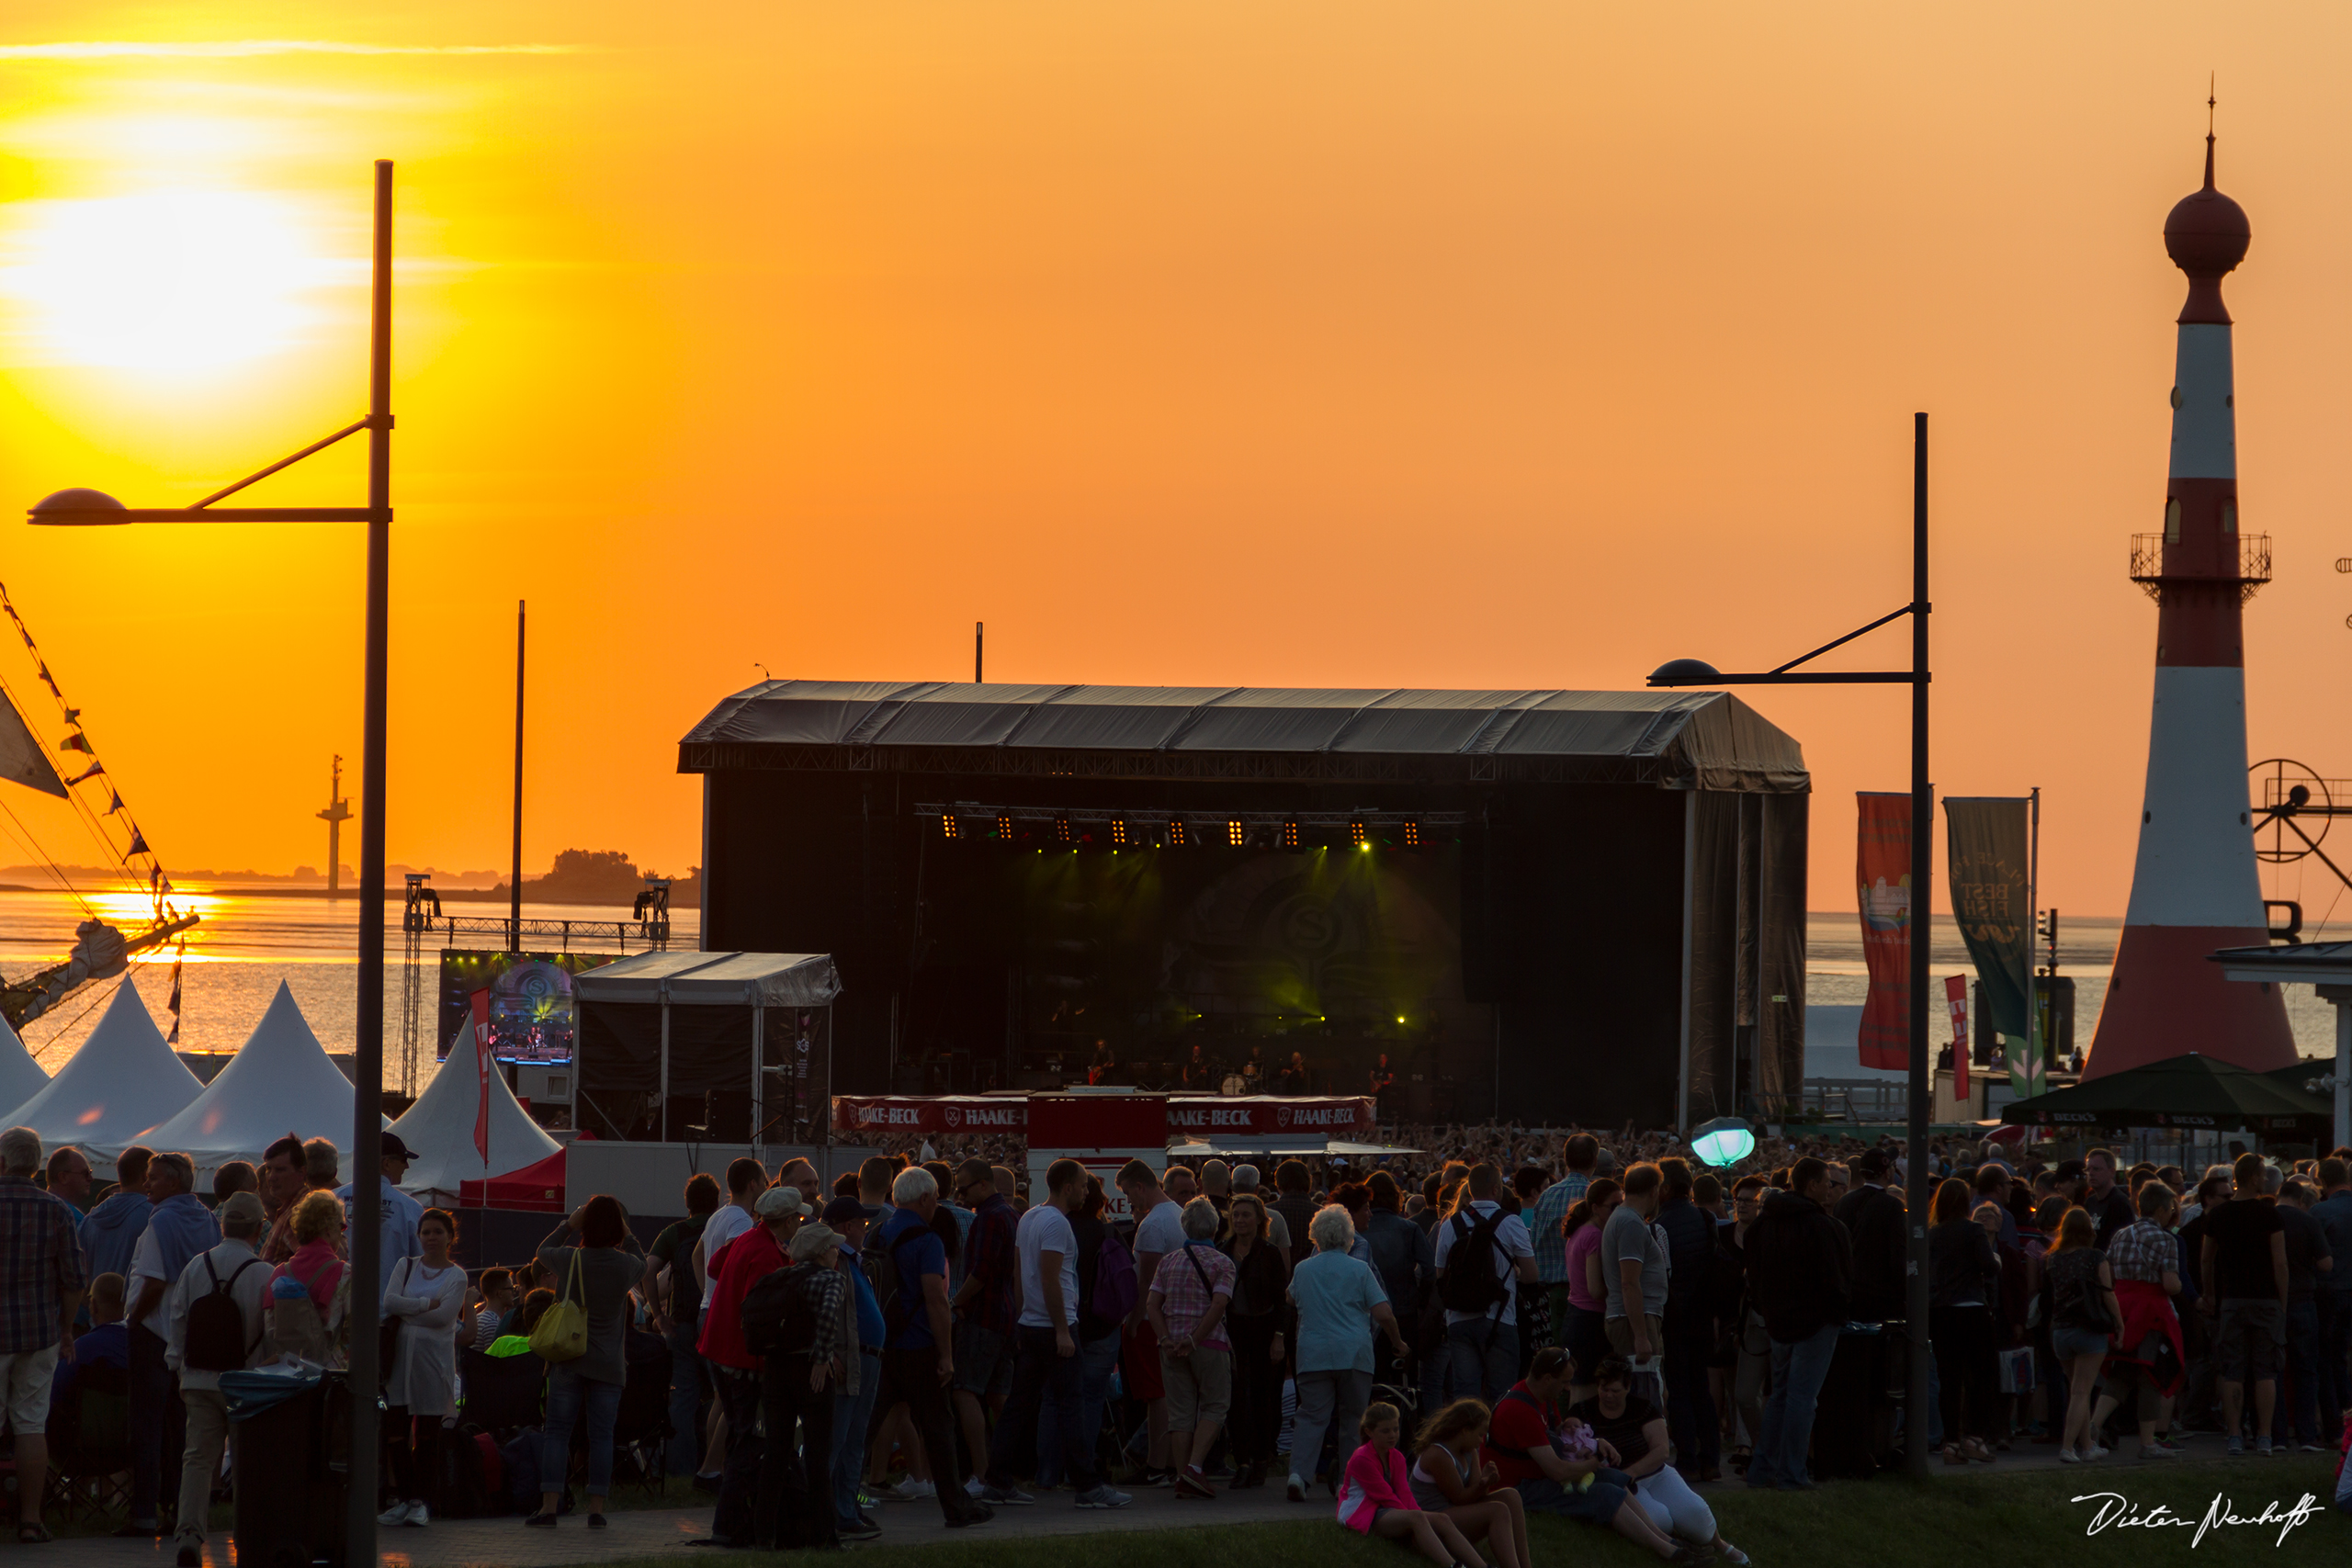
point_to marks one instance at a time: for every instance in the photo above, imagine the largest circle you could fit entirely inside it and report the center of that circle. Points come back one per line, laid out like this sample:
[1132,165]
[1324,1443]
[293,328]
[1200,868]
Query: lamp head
[1684,672]
[1726,1140]
[77,508]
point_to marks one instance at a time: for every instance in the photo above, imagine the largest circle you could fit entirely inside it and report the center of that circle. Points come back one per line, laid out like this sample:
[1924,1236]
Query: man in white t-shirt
[746,1180]
[1045,1362]
[1481,1312]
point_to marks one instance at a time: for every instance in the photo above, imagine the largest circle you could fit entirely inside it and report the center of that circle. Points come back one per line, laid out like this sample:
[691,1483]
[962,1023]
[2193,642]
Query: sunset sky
[1340,344]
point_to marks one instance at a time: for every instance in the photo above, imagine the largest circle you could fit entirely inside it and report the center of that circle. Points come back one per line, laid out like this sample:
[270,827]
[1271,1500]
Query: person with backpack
[801,1320]
[1483,1255]
[212,1319]
[918,1354]
[424,1297]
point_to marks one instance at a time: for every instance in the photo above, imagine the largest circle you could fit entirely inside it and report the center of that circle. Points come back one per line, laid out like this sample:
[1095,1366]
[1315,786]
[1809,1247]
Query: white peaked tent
[439,1128]
[281,1080]
[122,1081]
[20,1076]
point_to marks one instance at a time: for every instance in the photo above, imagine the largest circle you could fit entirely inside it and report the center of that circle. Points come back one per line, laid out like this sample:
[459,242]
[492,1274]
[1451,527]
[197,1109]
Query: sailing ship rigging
[100,949]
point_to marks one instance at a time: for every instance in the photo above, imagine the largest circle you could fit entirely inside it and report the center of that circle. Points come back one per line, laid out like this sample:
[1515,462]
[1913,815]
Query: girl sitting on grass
[1375,1498]
[1450,1481]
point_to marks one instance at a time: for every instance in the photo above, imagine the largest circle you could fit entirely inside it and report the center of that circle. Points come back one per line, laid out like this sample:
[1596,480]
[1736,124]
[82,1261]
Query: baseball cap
[840,1211]
[244,1207]
[780,1203]
[393,1148]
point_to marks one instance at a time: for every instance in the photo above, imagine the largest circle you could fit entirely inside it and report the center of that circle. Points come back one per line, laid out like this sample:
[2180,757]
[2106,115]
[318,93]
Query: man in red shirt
[1521,1446]
[741,1264]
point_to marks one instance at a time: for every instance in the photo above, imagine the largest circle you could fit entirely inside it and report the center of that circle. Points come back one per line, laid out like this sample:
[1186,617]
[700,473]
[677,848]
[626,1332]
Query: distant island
[607,877]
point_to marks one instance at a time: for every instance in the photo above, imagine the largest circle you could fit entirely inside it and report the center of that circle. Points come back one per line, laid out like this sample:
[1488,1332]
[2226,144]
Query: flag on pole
[1988,838]
[483,1067]
[177,956]
[1956,999]
[1883,870]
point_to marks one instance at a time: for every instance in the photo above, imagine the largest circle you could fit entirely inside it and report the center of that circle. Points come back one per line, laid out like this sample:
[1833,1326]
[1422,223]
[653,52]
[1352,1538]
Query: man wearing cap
[234,1267]
[402,1212]
[748,1260]
[854,1406]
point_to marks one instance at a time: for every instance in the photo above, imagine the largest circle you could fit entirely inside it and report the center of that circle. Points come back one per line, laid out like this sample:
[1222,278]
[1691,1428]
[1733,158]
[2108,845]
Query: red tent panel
[534,1189]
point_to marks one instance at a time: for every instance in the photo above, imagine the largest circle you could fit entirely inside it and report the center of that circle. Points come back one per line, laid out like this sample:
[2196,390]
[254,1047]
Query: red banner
[1268,1116]
[1883,874]
[928,1114]
[1172,1116]
[483,1067]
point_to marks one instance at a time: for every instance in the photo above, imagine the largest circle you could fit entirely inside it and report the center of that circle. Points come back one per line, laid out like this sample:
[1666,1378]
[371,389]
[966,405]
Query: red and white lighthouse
[2194,888]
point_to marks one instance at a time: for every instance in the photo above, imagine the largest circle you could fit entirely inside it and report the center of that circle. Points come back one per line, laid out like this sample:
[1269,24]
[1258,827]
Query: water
[250,942]
[247,944]
[1836,976]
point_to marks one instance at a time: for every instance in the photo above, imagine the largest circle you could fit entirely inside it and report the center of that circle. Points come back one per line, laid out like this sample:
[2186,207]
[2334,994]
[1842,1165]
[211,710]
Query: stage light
[1290,832]
[1176,833]
[1004,826]
[947,826]
[1400,1018]
[1355,834]
[1061,829]
[1119,830]
[1412,832]
[1726,1140]
[1233,833]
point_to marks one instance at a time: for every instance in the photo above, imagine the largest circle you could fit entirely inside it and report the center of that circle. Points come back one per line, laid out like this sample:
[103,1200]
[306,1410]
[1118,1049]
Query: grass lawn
[1984,1520]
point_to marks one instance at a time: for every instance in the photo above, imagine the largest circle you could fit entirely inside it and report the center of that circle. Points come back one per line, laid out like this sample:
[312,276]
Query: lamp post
[84,508]
[1697,673]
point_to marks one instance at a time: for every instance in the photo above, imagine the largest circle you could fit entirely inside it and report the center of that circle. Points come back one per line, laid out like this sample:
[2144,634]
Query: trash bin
[293,1478]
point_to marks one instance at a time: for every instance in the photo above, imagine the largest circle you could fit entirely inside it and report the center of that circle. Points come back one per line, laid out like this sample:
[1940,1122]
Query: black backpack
[881,1265]
[216,1325]
[774,1315]
[1470,1282]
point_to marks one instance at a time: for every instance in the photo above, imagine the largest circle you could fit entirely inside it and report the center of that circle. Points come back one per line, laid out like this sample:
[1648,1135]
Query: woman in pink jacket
[1376,1498]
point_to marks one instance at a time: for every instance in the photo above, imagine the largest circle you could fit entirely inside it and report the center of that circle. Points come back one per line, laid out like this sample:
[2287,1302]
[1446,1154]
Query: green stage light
[1726,1140]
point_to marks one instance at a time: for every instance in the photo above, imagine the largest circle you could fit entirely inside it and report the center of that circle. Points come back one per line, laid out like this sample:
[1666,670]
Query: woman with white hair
[1334,1295]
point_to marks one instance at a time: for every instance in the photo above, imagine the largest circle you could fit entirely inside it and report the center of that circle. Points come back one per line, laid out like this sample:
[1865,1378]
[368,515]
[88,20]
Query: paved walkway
[642,1532]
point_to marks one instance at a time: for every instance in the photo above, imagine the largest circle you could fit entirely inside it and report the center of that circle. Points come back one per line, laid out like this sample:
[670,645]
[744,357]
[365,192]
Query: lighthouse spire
[2194,889]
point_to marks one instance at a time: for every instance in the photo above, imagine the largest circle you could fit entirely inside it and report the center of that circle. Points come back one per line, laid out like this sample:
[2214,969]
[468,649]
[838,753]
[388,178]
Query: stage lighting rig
[1290,832]
[1004,827]
[1235,835]
[947,825]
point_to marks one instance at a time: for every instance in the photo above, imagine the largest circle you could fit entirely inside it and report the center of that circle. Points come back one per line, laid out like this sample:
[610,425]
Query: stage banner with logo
[1956,1002]
[1883,875]
[1987,838]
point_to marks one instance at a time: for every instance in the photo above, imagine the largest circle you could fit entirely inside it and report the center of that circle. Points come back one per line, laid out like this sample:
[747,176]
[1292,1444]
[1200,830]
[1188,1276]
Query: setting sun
[172,281]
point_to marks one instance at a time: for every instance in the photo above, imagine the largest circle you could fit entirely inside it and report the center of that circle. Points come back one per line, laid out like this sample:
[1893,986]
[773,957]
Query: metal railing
[2156,561]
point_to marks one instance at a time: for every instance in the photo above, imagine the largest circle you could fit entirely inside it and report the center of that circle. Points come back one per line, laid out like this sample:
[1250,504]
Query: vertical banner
[1956,1000]
[1987,836]
[1883,873]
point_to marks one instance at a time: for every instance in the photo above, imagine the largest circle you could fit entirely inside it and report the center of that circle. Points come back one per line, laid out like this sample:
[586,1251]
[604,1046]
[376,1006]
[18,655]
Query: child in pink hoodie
[1376,1498]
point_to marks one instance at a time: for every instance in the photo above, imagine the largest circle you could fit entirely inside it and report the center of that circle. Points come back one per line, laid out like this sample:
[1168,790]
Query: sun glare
[164,281]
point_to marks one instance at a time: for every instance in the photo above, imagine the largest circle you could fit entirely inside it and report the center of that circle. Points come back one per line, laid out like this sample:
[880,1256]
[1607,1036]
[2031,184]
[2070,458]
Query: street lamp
[1696,672]
[89,508]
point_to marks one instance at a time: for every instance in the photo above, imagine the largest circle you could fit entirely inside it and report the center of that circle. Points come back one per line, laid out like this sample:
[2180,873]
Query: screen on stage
[533,1006]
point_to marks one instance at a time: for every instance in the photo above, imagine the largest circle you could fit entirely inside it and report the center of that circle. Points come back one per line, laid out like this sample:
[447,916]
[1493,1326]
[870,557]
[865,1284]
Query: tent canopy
[281,1080]
[20,1076]
[2185,1091]
[715,979]
[122,1081]
[439,1128]
[1709,739]
[536,1189]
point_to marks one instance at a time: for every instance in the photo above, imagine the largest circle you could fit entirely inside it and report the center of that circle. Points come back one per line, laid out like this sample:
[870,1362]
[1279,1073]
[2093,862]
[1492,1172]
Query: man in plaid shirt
[1552,1208]
[42,1280]
[799,1382]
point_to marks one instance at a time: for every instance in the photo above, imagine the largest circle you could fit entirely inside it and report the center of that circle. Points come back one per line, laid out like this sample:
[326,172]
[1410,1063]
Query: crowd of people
[1584,1325]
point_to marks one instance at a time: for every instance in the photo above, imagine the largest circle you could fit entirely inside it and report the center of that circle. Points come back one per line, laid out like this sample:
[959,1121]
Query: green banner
[1986,837]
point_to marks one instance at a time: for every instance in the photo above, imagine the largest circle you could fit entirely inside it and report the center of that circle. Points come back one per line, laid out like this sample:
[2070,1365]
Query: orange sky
[1351,343]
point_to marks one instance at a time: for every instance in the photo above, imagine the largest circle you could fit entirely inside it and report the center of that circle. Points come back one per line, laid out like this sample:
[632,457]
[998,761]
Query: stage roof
[1670,737]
